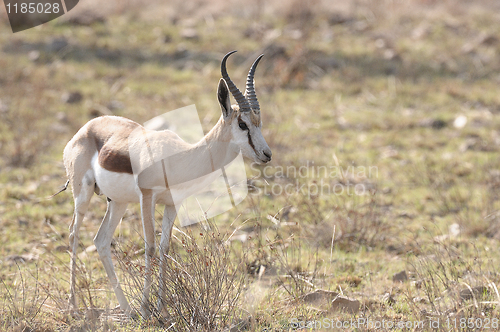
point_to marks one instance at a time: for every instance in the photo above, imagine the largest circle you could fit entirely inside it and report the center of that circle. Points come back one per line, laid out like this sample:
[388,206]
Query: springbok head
[244,116]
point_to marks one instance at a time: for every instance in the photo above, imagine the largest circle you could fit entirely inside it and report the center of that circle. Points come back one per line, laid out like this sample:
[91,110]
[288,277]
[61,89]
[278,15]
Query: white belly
[119,187]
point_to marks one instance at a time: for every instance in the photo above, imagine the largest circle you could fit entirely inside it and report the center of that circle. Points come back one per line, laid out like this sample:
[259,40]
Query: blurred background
[139,59]
[52,72]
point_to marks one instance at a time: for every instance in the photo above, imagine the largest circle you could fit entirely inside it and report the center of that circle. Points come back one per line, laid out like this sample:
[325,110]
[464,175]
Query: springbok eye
[243,126]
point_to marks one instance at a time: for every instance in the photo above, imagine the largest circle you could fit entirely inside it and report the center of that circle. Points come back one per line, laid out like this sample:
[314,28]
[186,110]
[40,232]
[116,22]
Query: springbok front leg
[102,241]
[147,212]
[166,233]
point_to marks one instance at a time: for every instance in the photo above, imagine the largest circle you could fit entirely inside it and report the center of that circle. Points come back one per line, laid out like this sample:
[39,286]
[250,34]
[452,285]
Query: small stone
[460,121]
[337,18]
[346,304]
[438,124]
[167,39]
[62,248]
[99,110]
[87,250]
[454,230]
[16,259]
[22,222]
[433,123]
[400,277]
[390,54]
[319,297]
[115,105]
[190,33]
[62,117]
[474,292]
[56,45]
[72,97]
[34,55]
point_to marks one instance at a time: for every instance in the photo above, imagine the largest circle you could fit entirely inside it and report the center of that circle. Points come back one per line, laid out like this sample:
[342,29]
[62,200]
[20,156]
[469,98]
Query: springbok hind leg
[82,200]
[102,241]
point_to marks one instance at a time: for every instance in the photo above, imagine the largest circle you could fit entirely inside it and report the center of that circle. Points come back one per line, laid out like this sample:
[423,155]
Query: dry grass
[22,302]
[203,282]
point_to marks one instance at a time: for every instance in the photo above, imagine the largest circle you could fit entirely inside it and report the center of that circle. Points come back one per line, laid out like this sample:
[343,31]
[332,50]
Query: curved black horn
[240,99]
[250,87]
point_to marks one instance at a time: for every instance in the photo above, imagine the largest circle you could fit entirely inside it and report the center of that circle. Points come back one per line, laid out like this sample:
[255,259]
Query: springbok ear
[223,97]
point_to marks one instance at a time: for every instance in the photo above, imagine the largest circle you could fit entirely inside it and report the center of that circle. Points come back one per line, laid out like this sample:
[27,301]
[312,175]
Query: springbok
[98,159]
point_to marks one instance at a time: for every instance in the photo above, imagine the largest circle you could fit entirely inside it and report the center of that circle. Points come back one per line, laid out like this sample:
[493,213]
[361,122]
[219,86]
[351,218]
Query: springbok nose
[268,154]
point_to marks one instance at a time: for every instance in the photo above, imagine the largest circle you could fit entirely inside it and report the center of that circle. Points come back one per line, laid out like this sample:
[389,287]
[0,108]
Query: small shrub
[203,282]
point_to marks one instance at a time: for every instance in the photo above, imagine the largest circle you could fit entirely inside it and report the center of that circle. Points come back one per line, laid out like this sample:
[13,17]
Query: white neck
[190,162]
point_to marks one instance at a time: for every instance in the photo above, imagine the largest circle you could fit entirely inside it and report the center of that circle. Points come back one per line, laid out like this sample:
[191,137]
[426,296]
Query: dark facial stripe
[248,135]
[250,141]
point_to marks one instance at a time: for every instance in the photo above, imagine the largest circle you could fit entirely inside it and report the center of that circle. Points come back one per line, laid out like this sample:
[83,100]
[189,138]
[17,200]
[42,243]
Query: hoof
[134,315]
[75,313]
[145,313]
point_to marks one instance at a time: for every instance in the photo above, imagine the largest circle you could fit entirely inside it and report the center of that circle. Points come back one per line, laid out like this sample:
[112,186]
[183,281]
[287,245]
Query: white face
[249,138]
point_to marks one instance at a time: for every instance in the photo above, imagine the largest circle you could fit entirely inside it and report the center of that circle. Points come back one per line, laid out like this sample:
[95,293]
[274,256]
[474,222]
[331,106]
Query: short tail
[60,191]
